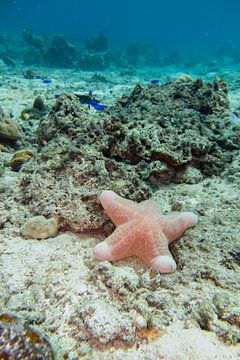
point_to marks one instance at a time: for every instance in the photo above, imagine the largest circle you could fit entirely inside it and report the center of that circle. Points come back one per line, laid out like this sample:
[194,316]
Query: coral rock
[38,227]
[9,128]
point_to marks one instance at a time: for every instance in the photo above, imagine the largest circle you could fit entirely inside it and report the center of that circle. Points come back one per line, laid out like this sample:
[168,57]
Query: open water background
[187,25]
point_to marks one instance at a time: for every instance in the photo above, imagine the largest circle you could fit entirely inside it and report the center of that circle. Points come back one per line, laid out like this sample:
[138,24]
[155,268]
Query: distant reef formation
[179,132]
[94,53]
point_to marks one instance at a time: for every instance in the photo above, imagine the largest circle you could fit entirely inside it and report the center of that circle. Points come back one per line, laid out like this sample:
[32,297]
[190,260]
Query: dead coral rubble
[19,341]
[177,132]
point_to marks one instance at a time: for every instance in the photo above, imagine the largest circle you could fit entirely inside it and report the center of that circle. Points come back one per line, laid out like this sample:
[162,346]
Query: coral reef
[12,212]
[173,128]
[98,56]
[96,43]
[177,143]
[60,53]
[32,56]
[74,139]
[177,132]
[55,51]
[142,54]
[33,39]
[92,61]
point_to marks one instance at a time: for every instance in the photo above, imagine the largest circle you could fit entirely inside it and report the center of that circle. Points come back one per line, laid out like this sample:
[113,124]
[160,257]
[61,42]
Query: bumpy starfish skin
[142,231]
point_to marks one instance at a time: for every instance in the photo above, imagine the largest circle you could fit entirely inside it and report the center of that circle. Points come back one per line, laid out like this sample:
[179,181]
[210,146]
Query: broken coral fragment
[38,227]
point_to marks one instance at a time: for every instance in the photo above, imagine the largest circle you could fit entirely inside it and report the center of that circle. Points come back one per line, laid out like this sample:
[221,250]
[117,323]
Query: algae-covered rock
[9,128]
[177,132]
[19,158]
[38,110]
[29,74]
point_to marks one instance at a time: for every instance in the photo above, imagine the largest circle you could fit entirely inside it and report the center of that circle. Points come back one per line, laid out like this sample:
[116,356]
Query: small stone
[38,227]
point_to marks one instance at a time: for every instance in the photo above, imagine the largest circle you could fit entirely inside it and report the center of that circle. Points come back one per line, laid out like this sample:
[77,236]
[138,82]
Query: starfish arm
[175,225]
[150,207]
[154,251]
[118,245]
[118,209]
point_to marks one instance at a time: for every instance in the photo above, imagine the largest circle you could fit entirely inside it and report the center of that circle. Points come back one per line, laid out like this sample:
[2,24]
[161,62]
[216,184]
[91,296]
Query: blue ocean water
[187,25]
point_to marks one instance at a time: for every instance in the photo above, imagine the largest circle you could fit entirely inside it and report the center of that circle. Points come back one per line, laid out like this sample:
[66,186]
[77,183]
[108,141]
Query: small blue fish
[154,81]
[47,81]
[38,77]
[93,103]
[98,106]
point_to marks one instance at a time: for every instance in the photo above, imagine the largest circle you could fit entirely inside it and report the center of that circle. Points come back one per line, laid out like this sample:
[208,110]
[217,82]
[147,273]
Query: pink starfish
[143,231]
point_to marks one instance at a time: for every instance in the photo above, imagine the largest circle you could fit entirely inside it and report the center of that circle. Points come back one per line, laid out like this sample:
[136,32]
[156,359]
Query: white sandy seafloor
[98,310]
